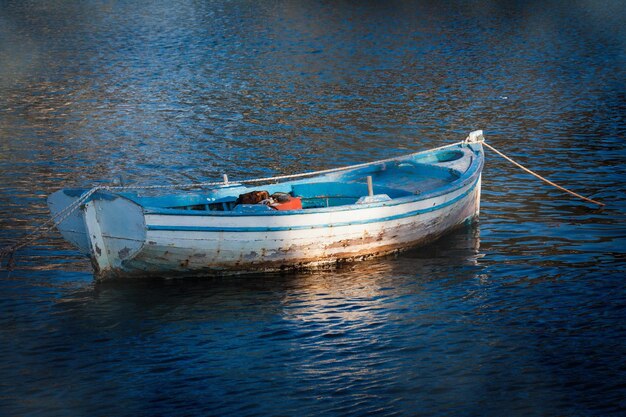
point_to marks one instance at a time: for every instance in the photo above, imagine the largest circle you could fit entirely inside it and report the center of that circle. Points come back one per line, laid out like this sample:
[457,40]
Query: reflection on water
[340,333]
[519,315]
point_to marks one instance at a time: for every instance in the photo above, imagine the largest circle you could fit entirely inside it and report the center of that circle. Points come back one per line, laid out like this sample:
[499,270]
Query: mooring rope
[542,178]
[44,228]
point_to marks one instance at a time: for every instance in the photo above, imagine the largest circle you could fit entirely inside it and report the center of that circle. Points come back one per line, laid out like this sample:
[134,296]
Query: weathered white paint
[98,248]
[478,191]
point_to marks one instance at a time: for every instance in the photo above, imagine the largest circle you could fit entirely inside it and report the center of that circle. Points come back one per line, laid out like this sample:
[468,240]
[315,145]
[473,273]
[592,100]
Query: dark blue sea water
[522,315]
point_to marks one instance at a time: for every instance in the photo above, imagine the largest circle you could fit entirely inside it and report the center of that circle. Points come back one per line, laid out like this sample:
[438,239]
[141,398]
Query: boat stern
[109,228]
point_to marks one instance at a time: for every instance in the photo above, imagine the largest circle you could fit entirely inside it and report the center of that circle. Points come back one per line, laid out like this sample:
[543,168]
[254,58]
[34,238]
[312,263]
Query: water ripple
[521,314]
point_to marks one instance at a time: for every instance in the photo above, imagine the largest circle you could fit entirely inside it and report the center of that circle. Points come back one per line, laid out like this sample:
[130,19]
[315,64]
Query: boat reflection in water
[363,293]
[354,329]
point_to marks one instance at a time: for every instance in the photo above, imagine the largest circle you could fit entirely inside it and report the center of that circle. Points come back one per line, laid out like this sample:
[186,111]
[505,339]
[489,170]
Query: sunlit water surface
[523,314]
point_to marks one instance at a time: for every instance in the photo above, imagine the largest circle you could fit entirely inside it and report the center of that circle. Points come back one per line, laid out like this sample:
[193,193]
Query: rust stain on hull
[140,268]
[367,239]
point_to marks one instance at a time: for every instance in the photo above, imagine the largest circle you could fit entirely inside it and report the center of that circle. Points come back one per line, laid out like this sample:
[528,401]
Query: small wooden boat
[337,215]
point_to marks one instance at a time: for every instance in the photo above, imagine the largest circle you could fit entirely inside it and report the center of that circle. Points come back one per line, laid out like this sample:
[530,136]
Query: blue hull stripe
[285,228]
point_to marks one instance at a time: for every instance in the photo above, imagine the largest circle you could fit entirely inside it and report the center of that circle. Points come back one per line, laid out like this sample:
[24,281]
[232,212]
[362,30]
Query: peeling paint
[123,254]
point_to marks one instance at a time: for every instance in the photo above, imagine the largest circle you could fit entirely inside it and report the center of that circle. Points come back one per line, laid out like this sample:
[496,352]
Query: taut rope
[542,178]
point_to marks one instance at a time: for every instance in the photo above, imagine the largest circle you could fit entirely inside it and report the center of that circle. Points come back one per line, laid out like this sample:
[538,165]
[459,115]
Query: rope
[44,228]
[542,178]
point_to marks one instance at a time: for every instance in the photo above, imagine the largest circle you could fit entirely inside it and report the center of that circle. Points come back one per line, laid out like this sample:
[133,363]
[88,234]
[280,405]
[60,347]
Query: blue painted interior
[257,209]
